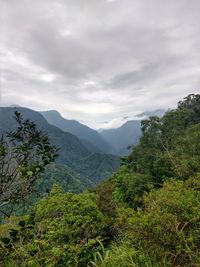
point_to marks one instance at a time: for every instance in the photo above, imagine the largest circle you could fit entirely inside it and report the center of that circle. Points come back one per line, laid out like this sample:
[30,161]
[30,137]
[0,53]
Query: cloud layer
[97,60]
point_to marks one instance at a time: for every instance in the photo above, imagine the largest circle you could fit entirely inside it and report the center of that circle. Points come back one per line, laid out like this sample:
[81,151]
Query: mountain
[120,138]
[70,147]
[119,121]
[73,155]
[128,133]
[90,138]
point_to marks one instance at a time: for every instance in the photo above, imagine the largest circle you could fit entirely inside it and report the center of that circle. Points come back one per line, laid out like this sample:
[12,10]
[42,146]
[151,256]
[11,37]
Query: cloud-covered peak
[115,123]
[118,122]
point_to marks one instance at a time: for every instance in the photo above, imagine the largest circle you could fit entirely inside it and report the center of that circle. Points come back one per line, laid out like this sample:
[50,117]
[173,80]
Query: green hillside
[147,214]
[82,131]
[73,155]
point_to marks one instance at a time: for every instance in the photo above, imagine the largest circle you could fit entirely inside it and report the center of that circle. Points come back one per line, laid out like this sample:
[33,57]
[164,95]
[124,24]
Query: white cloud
[116,123]
[47,77]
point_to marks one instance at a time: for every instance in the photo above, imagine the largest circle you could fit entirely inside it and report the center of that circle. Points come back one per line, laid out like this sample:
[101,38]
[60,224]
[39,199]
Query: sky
[98,60]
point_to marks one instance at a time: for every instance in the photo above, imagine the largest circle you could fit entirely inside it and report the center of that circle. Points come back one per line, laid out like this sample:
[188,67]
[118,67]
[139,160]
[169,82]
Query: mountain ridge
[71,149]
[129,133]
[82,131]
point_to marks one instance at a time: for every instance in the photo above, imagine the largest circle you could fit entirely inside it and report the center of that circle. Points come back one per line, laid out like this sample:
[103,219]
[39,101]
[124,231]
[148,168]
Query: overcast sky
[97,60]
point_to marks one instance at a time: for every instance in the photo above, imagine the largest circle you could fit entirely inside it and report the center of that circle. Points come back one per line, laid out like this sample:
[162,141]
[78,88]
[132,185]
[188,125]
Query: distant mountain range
[118,122]
[90,138]
[108,140]
[112,138]
[129,133]
[87,167]
[124,136]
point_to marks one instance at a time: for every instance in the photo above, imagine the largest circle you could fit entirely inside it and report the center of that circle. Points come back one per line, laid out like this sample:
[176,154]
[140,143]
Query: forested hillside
[88,136]
[147,214]
[73,155]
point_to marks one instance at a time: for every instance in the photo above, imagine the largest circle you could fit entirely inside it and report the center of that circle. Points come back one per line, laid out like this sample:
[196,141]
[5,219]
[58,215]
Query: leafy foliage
[24,153]
[169,148]
[123,256]
[168,227]
[65,231]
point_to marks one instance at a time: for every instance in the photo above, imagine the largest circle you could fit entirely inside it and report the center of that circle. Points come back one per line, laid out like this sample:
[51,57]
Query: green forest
[146,214]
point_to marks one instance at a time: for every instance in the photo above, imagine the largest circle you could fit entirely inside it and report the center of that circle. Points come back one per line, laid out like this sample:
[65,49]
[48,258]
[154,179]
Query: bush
[168,228]
[66,231]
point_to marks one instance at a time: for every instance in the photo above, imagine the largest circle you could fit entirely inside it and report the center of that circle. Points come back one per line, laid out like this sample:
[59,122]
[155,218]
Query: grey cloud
[95,60]
[149,72]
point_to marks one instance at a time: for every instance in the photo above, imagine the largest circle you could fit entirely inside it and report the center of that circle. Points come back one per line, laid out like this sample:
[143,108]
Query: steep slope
[122,137]
[92,148]
[71,149]
[98,166]
[89,137]
[61,174]
[129,133]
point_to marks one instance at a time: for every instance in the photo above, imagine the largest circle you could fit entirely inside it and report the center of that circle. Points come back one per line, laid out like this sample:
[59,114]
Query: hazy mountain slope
[71,149]
[61,174]
[98,166]
[80,130]
[122,137]
[129,133]
[92,148]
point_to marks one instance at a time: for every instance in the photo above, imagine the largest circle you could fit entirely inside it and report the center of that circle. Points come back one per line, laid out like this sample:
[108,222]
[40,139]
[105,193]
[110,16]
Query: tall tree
[191,102]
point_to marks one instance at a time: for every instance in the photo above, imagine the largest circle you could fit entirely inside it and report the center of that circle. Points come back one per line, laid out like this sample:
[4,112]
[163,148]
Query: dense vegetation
[88,168]
[146,215]
[24,154]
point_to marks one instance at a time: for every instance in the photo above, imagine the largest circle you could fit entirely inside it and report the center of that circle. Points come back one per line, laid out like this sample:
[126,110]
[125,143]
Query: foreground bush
[124,256]
[166,232]
[169,227]
[63,231]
